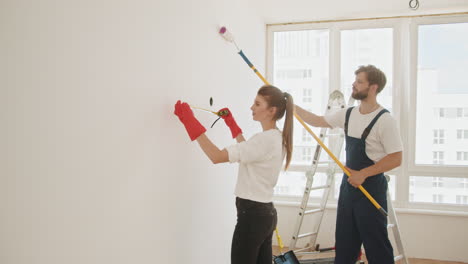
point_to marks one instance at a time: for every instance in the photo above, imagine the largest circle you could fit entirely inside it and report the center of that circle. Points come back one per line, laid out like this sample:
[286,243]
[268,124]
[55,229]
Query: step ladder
[335,102]
[393,225]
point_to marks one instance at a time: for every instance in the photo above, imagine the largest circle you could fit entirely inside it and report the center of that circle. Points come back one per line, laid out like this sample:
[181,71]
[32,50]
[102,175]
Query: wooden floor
[410,260]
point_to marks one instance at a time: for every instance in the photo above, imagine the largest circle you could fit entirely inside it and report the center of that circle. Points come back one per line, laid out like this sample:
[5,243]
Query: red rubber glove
[185,114]
[231,123]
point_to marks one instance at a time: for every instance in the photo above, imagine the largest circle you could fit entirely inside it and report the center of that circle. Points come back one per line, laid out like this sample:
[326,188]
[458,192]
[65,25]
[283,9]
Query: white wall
[95,167]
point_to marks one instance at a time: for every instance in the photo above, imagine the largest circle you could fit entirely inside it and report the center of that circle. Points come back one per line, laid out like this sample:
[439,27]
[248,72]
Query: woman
[260,160]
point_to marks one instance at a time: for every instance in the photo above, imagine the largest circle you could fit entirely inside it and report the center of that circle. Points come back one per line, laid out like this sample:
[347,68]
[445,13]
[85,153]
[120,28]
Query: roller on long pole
[230,38]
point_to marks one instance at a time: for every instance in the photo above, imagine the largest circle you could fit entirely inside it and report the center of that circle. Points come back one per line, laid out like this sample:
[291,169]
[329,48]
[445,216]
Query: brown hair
[374,76]
[285,105]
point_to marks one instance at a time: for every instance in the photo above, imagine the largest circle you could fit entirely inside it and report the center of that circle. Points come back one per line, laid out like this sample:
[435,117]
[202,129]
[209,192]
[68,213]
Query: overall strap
[372,123]
[348,114]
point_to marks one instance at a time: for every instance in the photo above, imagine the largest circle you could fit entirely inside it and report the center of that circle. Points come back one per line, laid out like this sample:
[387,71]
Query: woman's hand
[186,116]
[230,122]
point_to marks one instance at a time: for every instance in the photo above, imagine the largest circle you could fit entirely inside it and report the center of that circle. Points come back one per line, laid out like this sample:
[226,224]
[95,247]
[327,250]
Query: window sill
[413,211]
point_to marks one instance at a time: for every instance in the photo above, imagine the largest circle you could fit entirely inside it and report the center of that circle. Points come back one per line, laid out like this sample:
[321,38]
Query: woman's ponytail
[288,128]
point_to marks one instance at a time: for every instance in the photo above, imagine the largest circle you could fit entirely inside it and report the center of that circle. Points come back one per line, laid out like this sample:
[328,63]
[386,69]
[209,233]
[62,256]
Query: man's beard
[361,95]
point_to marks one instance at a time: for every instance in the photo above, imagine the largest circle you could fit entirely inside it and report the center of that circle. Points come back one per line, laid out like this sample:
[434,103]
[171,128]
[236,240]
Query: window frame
[404,94]
[413,169]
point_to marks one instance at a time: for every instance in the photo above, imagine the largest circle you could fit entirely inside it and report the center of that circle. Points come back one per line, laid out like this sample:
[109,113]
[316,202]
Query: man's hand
[357,177]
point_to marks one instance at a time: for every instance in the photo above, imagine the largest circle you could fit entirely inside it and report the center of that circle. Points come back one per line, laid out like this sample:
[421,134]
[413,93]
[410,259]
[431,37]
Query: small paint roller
[230,38]
[227,36]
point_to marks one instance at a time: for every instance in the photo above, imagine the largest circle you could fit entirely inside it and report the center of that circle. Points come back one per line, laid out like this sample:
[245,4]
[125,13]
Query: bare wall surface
[95,168]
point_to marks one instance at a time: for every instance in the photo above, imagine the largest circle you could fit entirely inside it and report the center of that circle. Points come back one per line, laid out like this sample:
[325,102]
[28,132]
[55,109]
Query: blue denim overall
[358,221]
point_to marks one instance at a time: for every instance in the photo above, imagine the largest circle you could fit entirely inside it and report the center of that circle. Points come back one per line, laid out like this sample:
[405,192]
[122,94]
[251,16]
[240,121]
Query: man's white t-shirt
[260,160]
[383,139]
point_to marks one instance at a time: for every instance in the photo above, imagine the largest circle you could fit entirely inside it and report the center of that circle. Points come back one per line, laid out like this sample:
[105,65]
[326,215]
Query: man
[373,146]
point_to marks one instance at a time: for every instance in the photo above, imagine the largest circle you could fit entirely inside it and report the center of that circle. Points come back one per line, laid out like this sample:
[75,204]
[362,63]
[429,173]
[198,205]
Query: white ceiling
[281,11]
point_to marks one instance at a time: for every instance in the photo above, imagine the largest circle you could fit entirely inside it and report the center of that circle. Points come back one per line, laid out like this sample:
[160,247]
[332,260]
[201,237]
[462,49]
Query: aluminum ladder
[335,102]
[392,224]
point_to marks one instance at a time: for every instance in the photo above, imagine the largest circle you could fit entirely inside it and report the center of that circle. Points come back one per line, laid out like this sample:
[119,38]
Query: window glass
[441,190]
[442,88]
[364,47]
[301,68]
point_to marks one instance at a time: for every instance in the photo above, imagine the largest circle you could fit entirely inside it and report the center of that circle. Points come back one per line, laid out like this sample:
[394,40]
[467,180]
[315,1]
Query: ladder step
[399,257]
[390,226]
[320,187]
[306,235]
[313,211]
[306,250]
[328,162]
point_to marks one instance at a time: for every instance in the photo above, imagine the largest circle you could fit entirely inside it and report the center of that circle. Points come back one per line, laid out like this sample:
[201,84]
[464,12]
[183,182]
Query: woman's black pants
[252,240]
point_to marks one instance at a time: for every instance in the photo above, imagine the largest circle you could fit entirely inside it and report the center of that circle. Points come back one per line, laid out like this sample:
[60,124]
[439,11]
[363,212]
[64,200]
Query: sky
[445,47]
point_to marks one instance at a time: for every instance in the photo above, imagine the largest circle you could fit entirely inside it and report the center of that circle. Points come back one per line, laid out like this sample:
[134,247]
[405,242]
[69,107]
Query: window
[300,65]
[292,183]
[438,136]
[306,137]
[440,86]
[439,112]
[437,157]
[363,47]
[294,74]
[462,155]
[462,133]
[425,57]
[307,96]
[306,154]
[437,198]
[462,199]
[438,189]
[464,183]
[437,182]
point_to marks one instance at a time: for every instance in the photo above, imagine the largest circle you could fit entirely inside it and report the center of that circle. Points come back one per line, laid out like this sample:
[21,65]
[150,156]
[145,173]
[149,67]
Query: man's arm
[311,118]
[387,163]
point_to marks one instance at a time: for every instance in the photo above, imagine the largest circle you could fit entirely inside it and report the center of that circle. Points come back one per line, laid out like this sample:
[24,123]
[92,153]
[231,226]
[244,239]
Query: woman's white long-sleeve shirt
[260,160]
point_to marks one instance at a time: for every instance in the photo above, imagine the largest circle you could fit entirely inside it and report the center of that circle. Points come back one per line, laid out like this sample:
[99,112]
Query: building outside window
[438,136]
[306,137]
[462,133]
[438,157]
[437,182]
[462,199]
[307,154]
[462,155]
[437,198]
[464,183]
[307,95]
